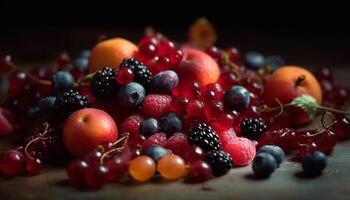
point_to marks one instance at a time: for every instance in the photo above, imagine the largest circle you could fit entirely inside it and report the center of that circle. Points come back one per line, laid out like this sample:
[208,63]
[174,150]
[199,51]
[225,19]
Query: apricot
[289,82]
[110,53]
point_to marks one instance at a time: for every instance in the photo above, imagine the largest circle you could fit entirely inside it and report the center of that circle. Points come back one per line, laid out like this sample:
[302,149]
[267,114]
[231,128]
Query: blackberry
[104,84]
[203,136]
[141,73]
[220,162]
[69,101]
[253,128]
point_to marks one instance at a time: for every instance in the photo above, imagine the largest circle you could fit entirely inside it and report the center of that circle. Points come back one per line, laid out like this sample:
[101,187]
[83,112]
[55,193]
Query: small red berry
[76,171]
[34,166]
[124,76]
[195,109]
[233,54]
[178,105]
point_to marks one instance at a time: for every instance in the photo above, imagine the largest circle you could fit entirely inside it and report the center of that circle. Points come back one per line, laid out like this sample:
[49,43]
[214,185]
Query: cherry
[306,149]
[93,157]
[148,50]
[199,171]
[165,48]
[284,138]
[178,105]
[149,40]
[233,54]
[117,168]
[34,166]
[12,162]
[342,127]
[176,57]
[211,92]
[76,171]
[193,153]
[214,52]
[96,176]
[314,140]
[227,80]
[124,76]
[213,109]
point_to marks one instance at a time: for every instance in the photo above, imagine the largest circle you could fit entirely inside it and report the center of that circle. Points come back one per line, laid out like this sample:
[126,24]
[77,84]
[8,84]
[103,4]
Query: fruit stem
[86,78]
[332,109]
[300,79]
[232,67]
[124,139]
[40,137]
[38,80]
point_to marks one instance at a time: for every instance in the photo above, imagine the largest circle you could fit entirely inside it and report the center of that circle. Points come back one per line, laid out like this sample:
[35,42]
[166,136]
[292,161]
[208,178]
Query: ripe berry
[220,162]
[193,153]
[141,74]
[170,124]
[149,126]
[165,48]
[205,137]
[69,101]
[131,124]
[171,167]
[165,81]
[275,151]
[124,76]
[254,60]
[224,122]
[117,168]
[93,157]
[156,105]
[314,163]
[195,109]
[242,150]
[191,91]
[34,166]
[131,95]
[176,57]
[163,63]
[6,122]
[199,171]
[237,98]
[284,138]
[214,52]
[147,50]
[76,171]
[12,162]
[252,128]
[178,144]
[62,80]
[264,164]
[155,139]
[213,110]
[142,168]
[227,80]
[96,176]
[5,63]
[211,92]
[63,59]
[178,105]
[233,54]
[103,83]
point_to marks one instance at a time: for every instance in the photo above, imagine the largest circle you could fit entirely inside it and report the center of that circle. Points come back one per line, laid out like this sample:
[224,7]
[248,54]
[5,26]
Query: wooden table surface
[286,183]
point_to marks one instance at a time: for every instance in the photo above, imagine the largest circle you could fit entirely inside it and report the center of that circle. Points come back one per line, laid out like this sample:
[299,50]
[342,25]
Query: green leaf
[307,103]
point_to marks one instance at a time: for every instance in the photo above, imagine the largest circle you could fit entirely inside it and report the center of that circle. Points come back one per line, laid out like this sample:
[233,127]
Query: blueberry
[275,151]
[81,63]
[237,98]
[254,60]
[85,53]
[170,124]
[33,113]
[314,163]
[46,105]
[156,152]
[149,127]
[62,80]
[131,94]
[264,164]
[274,62]
[165,81]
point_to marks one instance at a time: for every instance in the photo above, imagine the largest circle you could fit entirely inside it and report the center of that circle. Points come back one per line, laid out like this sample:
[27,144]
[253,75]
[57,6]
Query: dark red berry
[199,171]
[76,171]
[12,162]
[34,166]
[124,76]
[96,176]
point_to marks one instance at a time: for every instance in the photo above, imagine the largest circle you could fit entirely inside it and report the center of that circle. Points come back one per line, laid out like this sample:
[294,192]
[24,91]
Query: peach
[289,82]
[197,66]
[110,53]
[86,128]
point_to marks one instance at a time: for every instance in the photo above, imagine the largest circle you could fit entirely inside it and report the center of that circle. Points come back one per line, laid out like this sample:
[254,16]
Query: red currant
[163,63]
[76,171]
[193,153]
[211,92]
[214,52]
[12,162]
[96,176]
[117,168]
[284,138]
[191,91]
[227,80]
[34,166]
[165,48]
[124,76]
[176,57]
[195,109]
[93,157]
[213,109]
[224,121]
[199,171]
[148,50]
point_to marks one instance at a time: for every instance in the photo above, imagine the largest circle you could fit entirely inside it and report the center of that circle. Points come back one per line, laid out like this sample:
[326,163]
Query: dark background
[302,32]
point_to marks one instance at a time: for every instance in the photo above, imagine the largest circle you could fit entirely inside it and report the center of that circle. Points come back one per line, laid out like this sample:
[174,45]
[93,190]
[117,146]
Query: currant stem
[40,137]
[124,138]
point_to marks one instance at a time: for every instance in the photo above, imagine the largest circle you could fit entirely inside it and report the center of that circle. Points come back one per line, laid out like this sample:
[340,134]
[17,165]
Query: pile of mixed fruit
[161,108]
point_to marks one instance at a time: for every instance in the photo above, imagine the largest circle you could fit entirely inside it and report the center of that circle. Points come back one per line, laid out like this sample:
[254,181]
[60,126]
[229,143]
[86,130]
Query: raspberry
[177,144]
[155,139]
[242,151]
[156,105]
[226,136]
[131,124]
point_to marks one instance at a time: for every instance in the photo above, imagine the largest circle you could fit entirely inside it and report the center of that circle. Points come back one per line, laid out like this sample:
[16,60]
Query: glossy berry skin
[191,91]
[254,60]
[178,105]
[199,171]
[76,171]
[233,54]
[131,95]
[34,166]
[147,50]
[224,122]
[171,167]
[176,57]
[193,153]
[275,151]
[142,168]
[124,76]
[170,124]
[96,176]
[237,98]
[117,168]
[62,80]
[264,164]
[93,157]
[156,152]
[341,128]
[12,162]
[214,52]
[195,109]
[165,81]
[285,138]
[213,110]
[149,126]
[227,80]
[211,92]
[314,163]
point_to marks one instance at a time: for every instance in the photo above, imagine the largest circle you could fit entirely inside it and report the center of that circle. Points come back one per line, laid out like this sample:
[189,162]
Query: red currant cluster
[158,53]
